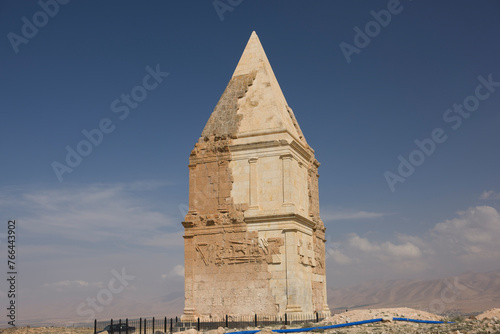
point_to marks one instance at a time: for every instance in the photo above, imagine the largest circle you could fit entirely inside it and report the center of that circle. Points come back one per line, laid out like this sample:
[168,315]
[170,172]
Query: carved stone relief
[236,251]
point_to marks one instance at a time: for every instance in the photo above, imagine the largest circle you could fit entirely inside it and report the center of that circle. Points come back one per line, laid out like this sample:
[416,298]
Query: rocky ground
[487,322]
[402,312]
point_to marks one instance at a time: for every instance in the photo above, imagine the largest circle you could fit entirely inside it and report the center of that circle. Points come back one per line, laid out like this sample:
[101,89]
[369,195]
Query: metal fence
[172,325]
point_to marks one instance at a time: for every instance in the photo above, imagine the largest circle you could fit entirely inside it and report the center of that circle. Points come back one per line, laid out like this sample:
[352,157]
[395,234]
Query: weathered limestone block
[254,241]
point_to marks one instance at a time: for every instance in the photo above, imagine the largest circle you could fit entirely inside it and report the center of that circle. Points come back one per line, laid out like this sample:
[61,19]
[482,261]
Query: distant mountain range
[467,293]
[65,314]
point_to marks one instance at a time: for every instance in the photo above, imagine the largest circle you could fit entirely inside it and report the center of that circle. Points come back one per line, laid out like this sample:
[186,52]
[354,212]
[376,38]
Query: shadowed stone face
[254,240]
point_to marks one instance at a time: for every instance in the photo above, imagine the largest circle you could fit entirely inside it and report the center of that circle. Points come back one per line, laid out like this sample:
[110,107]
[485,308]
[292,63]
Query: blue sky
[122,204]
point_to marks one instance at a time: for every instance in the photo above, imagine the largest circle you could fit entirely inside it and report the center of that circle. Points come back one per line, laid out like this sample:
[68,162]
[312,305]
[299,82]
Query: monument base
[293,308]
[326,311]
[189,315]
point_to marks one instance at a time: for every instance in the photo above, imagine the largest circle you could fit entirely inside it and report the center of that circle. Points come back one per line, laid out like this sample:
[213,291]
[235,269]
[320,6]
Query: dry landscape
[475,293]
[469,293]
[487,322]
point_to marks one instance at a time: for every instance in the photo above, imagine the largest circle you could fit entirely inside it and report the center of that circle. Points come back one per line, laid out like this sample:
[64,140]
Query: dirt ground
[487,322]
[490,314]
[401,312]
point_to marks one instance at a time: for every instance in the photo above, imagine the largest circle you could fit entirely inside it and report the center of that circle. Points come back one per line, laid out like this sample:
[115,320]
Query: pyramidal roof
[253,102]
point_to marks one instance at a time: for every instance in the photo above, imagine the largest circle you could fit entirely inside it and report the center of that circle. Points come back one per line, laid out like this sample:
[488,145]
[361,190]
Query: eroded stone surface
[254,239]
[224,121]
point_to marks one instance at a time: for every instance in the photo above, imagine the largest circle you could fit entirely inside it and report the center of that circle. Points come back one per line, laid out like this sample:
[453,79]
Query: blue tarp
[421,321]
[297,330]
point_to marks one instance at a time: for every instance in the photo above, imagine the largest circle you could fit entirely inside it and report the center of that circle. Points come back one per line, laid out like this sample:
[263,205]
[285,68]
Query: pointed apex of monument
[253,57]
[253,102]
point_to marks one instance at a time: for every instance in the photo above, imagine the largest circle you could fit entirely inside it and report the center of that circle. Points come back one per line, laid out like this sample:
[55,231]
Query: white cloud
[30,250]
[468,241]
[472,236]
[423,245]
[363,244]
[348,214]
[177,271]
[73,235]
[338,256]
[72,285]
[406,250]
[490,194]
[163,240]
[386,249]
[97,213]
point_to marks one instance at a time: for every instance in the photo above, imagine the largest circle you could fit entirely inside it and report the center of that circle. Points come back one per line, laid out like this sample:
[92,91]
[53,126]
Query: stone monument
[254,241]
